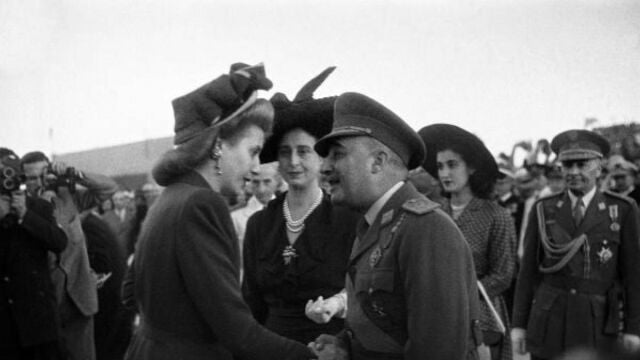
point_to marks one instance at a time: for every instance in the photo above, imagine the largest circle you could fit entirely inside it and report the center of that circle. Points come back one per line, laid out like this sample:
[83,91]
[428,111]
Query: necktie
[578,212]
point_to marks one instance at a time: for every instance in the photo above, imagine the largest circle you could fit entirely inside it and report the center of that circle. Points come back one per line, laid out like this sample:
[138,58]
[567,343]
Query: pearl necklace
[296,226]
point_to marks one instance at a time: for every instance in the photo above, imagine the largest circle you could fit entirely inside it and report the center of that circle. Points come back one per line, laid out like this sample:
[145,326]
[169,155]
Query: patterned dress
[489,230]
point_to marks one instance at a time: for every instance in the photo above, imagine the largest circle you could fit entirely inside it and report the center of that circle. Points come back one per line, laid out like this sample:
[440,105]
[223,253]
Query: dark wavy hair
[483,178]
[188,156]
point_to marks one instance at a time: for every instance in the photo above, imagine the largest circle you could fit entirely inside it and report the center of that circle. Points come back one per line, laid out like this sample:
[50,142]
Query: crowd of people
[322,228]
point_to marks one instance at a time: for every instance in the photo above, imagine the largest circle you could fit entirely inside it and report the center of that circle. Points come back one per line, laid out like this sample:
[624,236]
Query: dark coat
[113,323]
[577,305]
[411,284]
[186,283]
[276,292]
[28,310]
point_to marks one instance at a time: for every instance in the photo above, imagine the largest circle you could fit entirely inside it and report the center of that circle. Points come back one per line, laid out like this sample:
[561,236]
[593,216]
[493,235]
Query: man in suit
[73,279]
[581,259]
[29,321]
[411,285]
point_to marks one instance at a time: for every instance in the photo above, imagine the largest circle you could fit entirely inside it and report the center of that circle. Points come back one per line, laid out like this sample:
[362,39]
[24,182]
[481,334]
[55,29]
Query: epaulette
[618,196]
[420,206]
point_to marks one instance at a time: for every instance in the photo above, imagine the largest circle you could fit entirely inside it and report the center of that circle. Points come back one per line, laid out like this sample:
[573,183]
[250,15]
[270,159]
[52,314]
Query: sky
[77,75]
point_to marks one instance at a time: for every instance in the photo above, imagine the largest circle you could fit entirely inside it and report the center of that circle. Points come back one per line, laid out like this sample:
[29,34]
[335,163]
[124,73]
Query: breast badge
[605,254]
[375,256]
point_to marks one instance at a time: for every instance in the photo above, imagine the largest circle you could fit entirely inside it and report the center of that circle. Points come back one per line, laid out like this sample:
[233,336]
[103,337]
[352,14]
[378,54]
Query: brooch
[605,254]
[375,256]
[289,253]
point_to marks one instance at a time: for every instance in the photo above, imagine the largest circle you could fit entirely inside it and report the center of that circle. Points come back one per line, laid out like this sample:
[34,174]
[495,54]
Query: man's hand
[321,311]
[328,347]
[518,340]
[19,203]
[631,343]
[5,206]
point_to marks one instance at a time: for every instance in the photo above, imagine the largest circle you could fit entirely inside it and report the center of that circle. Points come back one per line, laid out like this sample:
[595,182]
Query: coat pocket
[539,314]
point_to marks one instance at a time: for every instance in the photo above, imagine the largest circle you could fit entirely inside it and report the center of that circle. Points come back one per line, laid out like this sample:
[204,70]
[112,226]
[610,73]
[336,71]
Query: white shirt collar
[373,211]
[586,198]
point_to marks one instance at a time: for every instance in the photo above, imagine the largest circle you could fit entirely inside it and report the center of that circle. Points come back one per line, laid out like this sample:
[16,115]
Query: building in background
[129,164]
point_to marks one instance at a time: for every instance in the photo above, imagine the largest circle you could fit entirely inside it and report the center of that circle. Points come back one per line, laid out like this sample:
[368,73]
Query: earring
[216,154]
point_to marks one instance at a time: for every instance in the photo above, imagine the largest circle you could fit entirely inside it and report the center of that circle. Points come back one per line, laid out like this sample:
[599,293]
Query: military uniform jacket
[411,284]
[577,304]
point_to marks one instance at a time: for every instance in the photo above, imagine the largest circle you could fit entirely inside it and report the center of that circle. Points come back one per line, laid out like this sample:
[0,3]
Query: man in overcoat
[410,283]
[29,318]
[581,261]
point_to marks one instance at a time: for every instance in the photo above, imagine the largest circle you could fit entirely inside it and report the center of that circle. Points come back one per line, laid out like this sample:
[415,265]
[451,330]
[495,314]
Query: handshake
[329,347]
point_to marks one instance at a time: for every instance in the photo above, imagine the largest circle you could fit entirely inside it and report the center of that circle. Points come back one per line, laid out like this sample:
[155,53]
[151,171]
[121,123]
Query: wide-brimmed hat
[218,101]
[315,116]
[358,115]
[438,137]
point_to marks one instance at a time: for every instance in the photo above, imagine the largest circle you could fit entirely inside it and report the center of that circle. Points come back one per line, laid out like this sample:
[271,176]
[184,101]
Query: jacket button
[10,301]
[6,279]
[573,291]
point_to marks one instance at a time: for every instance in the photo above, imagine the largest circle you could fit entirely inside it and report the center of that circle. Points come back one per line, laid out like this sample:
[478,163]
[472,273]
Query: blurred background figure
[264,184]
[468,173]
[621,178]
[297,248]
[426,184]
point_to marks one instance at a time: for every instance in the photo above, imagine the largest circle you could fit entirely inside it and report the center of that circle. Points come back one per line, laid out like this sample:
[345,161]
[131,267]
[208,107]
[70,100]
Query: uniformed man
[581,260]
[411,285]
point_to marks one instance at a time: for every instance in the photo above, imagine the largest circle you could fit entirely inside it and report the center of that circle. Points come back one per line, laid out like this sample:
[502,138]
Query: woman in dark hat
[297,248]
[186,269]
[468,172]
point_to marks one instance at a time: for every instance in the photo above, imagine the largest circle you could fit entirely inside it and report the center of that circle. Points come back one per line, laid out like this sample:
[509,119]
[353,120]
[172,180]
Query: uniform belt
[583,286]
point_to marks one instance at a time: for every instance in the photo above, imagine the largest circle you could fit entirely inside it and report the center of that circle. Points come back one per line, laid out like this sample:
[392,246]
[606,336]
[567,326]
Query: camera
[11,176]
[52,180]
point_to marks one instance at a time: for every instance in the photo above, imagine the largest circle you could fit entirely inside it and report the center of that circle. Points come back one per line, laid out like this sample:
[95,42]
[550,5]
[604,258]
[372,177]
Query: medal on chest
[613,215]
[375,257]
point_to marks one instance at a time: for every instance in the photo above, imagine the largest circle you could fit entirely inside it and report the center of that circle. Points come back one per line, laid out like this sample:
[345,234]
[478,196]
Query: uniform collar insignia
[386,217]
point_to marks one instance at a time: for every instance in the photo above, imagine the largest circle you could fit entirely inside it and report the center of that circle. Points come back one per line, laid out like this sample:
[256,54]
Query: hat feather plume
[306,93]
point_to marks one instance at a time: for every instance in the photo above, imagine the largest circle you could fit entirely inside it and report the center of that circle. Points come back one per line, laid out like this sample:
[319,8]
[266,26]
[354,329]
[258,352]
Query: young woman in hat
[297,248]
[468,172]
[186,269]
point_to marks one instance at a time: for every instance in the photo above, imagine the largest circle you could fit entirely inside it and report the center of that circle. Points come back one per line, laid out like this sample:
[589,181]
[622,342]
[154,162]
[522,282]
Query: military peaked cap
[579,145]
[358,115]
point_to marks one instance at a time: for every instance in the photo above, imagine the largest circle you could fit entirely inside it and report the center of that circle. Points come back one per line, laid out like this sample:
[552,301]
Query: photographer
[29,322]
[75,282]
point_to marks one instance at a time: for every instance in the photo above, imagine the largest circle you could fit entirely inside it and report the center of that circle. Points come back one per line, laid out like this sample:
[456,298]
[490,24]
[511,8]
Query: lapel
[564,215]
[384,219]
[592,215]
[468,216]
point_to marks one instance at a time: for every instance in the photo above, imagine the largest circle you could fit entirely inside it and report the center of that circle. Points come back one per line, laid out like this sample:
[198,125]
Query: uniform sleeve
[250,290]
[40,223]
[438,273]
[630,269]
[501,255]
[207,265]
[99,188]
[529,277]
